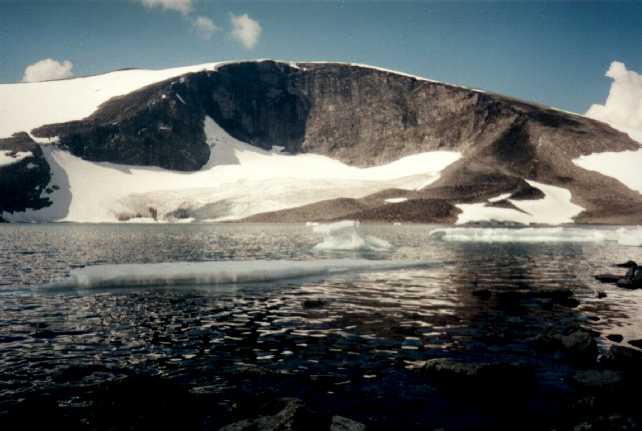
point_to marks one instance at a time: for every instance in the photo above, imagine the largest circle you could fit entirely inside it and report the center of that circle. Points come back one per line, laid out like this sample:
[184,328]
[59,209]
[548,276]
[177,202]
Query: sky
[555,53]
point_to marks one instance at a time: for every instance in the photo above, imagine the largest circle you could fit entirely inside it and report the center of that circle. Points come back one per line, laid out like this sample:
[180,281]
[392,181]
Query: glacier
[238,181]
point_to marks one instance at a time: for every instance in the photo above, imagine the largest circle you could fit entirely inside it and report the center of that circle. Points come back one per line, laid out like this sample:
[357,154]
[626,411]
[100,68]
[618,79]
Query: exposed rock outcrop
[24,183]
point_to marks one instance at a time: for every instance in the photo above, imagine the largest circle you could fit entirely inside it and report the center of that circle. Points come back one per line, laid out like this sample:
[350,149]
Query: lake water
[346,344]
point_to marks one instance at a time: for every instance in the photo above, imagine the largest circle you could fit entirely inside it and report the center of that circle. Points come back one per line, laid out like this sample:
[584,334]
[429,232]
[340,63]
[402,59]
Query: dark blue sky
[550,52]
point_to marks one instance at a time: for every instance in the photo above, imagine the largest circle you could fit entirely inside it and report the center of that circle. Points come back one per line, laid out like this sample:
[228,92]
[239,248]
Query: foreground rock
[291,414]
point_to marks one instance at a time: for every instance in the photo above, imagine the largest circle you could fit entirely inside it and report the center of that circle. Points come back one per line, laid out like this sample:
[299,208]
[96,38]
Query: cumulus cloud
[182,6]
[623,106]
[205,27]
[245,30]
[48,69]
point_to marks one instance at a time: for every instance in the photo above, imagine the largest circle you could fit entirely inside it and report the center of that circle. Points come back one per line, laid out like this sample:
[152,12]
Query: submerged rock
[482,293]
[578,345]
[597,380]
[636,343]
[291,414]
[478,376]
[616,338]
[142,402]
[623,357]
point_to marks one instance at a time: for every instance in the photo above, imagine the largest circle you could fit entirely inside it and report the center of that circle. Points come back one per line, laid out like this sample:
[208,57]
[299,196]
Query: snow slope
[221,272]
[239,180]
[555,208]
[625,166]
[9,157]
[26,106]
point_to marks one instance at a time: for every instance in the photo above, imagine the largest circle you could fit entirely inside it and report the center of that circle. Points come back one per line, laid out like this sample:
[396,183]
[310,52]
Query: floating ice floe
[222,272]
[346,235]
[622,236]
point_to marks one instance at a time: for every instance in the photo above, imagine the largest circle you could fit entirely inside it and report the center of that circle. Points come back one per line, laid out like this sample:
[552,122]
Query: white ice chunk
[222,272]
[345,235]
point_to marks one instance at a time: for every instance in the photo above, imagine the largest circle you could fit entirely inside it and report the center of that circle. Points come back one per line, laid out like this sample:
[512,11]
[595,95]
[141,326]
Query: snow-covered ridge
[240,180]
[26,106]
[9,157]
[220,272]
[555,208]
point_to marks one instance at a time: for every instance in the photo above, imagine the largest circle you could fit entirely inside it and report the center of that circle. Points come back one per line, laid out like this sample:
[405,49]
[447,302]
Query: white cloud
[205,27]
[245,30]
[623,106]
[48,69]
[182,6]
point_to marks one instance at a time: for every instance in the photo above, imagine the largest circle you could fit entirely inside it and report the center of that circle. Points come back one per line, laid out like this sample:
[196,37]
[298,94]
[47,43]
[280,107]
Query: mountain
[276,141]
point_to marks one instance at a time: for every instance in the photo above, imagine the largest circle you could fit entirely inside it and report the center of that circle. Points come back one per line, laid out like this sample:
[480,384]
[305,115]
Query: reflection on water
[338,336]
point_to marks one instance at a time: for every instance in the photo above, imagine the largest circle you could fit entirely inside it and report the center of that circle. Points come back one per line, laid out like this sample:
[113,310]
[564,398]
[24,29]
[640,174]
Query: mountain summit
[312,141]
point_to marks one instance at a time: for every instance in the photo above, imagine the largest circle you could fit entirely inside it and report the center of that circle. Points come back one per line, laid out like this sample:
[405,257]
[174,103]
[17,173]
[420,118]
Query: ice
[9,157]
[346,235]
[631,236]
[221,272]
[623,236]
[395,200]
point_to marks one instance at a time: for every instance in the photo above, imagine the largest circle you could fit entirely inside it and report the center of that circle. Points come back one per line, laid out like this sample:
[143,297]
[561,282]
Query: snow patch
[555,208]
[10,157]
[345,235]
[222,272]
[395,200]
[624,166]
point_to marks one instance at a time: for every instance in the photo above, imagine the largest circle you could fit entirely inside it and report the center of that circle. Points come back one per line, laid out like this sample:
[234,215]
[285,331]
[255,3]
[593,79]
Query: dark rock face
[364,117]
[162,124]
[23,183]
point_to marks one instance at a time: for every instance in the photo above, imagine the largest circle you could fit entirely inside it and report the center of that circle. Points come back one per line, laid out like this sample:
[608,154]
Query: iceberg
[345,235]
[220,272]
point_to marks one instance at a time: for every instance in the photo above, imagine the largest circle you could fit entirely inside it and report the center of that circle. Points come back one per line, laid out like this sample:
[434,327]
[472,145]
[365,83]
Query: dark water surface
[348,345]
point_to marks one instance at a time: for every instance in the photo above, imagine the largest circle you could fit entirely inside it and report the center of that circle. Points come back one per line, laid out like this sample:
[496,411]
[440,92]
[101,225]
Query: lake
[348,344]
